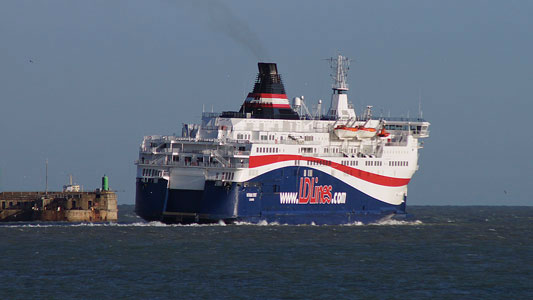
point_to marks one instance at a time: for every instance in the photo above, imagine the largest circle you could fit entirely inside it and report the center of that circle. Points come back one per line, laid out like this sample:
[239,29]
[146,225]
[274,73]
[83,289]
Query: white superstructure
[375,156]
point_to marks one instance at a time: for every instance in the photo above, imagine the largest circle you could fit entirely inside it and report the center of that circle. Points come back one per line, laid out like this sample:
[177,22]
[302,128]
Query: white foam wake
[389,222]
[397,222]
[260,223]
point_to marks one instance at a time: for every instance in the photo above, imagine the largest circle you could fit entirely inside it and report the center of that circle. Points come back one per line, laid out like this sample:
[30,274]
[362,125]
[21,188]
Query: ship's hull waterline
[271,198]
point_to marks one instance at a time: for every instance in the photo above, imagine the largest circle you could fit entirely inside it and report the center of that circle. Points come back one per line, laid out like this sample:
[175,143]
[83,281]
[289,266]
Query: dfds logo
[312,193]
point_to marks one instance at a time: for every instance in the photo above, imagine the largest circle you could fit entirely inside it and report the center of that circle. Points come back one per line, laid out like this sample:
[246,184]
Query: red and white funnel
[268,99]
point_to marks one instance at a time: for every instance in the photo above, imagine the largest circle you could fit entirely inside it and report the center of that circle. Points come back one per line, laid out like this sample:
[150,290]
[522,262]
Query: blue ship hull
[277,196]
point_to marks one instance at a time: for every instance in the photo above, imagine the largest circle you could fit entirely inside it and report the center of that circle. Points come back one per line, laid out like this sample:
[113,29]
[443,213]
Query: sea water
[438,253]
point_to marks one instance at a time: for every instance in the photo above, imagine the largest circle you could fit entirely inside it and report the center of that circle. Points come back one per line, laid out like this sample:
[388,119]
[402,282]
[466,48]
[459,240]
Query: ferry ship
[275,161]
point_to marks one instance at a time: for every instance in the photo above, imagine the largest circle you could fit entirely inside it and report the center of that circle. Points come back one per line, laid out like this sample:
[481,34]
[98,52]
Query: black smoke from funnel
[222,19]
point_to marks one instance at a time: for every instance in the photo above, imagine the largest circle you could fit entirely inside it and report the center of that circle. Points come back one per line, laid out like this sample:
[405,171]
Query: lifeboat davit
[383,133]
[360,132]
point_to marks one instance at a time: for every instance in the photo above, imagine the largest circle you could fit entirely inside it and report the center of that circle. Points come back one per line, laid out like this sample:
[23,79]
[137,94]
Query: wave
[356,223]
[397,222]
[260,223]
[389,222]
[41,225]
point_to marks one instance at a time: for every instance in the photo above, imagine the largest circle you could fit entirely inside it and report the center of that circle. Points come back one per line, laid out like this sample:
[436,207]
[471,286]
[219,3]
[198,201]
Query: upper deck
[237,138]
[256,129]
[268,123]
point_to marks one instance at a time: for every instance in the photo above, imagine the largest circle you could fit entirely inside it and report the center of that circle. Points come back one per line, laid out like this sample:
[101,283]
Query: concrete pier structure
[96,206]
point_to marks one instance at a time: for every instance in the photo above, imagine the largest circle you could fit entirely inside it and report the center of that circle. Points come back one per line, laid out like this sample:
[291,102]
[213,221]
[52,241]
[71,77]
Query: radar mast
[339,109]
[339,66]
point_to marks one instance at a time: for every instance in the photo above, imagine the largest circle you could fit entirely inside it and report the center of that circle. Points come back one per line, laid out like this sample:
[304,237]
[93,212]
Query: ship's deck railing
[398,143]
[212,127]
[181,163]
[187,139]
[178,151]
[171,138]
[234,114]
[235,162]
[219,142]
[401,119]
[201,158]
[211,114]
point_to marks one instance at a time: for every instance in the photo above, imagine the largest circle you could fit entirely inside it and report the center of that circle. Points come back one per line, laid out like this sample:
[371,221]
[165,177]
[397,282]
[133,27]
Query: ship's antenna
[340,109]
[303,106]
[420,103]
[46,179]
[339,66]
[318,113]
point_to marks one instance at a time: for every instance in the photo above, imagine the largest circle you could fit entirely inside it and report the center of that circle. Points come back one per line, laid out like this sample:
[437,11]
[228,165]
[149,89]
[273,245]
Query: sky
[81,82]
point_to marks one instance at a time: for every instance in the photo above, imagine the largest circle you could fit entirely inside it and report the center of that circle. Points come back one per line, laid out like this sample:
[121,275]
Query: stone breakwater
[96,206]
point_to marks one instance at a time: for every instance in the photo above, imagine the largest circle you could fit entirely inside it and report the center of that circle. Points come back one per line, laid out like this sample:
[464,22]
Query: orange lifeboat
[344,132]
[365,133]
[361,132]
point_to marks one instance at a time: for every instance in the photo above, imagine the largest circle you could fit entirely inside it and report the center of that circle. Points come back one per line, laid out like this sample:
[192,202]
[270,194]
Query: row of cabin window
[269,137]
[373,163]
[307,138]
[151,172]
[306,150]
[326,150]
[398,163]
[396,127]
[164,145]
[414,129]
[241,136]
[267,150]
[176,158]
[349,163]
[332,150]
[318,162]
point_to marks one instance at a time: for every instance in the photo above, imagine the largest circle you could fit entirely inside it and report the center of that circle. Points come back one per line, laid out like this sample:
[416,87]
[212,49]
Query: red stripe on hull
[258,161]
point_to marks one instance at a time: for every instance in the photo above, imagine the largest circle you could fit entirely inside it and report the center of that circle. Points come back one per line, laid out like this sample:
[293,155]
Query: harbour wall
[96,206]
